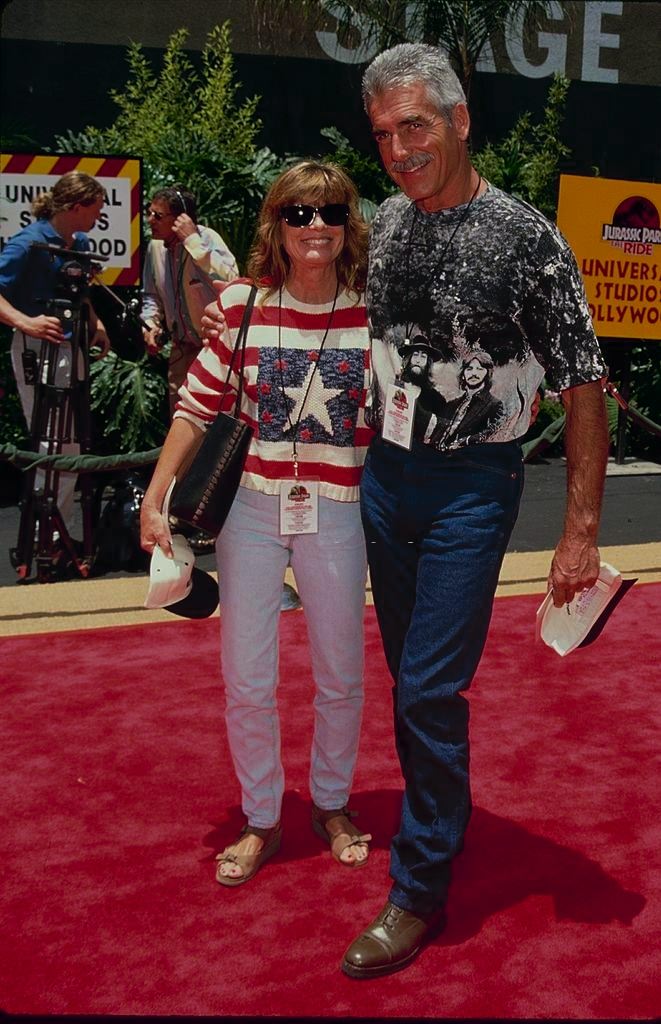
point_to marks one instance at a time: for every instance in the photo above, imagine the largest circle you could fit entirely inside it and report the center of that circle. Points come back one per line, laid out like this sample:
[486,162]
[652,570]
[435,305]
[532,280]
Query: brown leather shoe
[390,943]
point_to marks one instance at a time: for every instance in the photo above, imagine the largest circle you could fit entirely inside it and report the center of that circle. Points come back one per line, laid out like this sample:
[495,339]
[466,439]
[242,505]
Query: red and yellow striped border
[98,167]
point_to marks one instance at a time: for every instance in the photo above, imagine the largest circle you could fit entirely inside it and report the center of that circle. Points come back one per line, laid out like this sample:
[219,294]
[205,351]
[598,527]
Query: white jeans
[330,570]
[62,378]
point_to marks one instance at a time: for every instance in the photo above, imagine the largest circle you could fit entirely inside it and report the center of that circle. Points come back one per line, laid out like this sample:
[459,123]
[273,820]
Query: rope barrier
[77,463]
[632,412]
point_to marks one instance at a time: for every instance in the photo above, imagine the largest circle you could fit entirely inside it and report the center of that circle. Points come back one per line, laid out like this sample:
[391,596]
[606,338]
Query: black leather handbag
[209,478]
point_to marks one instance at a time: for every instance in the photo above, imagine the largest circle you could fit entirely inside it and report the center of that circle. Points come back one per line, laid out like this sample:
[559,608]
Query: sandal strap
[325,816]
[342,842]
[349,835]
[262,833]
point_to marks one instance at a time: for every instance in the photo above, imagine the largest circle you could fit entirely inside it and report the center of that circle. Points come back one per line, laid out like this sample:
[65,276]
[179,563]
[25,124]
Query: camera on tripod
[71,289]
[72,286]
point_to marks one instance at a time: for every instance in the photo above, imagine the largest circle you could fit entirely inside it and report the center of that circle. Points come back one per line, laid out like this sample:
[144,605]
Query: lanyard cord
[440,259]
[294,426]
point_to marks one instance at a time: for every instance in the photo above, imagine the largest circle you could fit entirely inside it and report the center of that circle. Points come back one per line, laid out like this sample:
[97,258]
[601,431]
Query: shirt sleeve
[558,324]
[13,262]
[209,252]
[203,393]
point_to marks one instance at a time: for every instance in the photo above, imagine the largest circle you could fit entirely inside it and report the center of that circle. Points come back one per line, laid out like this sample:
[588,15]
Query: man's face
[423,154]
[475,374]
[161,220]
[418,363]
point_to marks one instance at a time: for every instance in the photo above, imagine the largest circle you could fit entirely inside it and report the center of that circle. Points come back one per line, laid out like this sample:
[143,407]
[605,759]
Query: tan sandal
[250,863]
[343,836]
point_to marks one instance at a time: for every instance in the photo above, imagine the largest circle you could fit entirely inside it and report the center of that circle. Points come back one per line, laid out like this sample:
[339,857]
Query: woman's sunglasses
[301,215]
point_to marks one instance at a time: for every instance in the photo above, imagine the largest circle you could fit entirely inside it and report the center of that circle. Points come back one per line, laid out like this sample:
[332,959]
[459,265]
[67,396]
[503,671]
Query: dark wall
[50,87]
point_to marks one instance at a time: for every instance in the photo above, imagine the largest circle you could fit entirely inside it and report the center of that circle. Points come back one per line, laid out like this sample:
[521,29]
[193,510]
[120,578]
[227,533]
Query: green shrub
[13,428]
[527,161]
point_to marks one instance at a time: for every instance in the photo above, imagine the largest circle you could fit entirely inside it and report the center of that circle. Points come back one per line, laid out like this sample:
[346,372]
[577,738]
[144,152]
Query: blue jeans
[437,526]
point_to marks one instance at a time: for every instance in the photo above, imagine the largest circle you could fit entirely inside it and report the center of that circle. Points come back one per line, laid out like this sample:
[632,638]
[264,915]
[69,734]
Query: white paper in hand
[565,628]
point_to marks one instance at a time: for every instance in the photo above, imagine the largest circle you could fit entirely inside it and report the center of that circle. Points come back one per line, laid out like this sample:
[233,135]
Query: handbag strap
[240,346]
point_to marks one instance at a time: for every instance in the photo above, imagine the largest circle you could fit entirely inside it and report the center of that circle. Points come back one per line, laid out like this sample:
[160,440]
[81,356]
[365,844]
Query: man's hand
[184,226]
[213,321]
[101,341]
[47,328]
[575,567]
[152,339]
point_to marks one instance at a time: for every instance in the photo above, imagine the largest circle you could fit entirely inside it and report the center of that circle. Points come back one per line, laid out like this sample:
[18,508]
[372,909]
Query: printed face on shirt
[161,220]
[317,245]
[418,363]
[423,154]
[474,374]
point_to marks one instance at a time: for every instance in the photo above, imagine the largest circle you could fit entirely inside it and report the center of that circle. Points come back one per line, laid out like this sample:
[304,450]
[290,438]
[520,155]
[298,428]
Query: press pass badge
[399,413]
[299,506]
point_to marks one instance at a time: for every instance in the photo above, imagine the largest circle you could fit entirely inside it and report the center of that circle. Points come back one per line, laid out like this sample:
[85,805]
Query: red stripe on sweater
[343,476]
[272,316]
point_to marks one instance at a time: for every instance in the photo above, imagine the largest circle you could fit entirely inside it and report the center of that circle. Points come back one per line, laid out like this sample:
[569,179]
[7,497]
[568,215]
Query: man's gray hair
[409,63]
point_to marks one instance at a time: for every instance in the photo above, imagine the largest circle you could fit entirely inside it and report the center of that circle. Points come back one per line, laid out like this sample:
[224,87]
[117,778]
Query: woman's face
[474,374]
[316,246]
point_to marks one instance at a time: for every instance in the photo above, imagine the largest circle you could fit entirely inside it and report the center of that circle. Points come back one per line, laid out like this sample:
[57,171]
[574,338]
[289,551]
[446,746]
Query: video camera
[72,282]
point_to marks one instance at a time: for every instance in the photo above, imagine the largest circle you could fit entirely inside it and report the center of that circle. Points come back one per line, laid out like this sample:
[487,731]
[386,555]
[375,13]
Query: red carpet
[117,794]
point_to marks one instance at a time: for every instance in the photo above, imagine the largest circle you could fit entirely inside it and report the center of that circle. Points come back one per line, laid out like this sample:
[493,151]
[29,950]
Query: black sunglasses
[301,215]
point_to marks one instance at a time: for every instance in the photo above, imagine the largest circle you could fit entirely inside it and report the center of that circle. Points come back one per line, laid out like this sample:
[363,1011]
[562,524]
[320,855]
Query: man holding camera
[30,277]
[182,260]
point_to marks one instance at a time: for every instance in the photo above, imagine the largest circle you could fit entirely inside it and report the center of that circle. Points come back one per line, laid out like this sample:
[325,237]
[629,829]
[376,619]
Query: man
[418,358]
[182,260]
[30,278]
[476,414]
[493,276]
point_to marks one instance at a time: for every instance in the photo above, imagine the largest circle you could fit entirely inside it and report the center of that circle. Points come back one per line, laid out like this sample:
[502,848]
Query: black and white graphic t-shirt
[492,299]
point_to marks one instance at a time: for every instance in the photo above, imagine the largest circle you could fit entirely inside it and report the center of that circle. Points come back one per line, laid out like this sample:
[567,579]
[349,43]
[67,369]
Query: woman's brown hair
[69,190]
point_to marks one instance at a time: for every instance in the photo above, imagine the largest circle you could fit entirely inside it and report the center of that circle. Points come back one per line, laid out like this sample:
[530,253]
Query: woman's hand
[213,320]
[46,328]
[154,529]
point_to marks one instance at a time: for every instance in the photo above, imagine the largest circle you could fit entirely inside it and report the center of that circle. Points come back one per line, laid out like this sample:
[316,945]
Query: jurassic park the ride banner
[614,228]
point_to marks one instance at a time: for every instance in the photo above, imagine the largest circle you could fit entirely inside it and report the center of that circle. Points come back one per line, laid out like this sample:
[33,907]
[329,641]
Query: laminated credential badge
[399,413]
[299,506]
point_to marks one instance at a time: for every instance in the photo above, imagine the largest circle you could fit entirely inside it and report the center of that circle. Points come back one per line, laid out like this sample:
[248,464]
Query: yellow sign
[614,228]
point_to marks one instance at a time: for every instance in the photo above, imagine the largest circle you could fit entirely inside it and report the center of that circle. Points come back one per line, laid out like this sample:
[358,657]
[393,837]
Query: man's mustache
[410,164]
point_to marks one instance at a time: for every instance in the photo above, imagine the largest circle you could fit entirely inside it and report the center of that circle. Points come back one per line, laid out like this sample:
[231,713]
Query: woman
[305,381]
[31,278]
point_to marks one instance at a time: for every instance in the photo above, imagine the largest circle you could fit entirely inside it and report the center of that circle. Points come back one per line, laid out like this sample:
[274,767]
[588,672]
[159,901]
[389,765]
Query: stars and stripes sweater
[289,384]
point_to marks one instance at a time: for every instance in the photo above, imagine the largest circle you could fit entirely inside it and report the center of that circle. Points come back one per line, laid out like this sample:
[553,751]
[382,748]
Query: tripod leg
[21,556]
[83,432]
